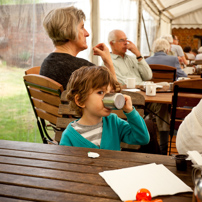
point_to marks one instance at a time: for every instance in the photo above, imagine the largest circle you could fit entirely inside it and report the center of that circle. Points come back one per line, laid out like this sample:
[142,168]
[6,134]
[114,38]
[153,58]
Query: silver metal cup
[114,100]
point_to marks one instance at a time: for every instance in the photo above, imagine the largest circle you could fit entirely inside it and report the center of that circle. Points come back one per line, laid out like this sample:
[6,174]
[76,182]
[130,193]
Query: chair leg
[45,130]
[41,132]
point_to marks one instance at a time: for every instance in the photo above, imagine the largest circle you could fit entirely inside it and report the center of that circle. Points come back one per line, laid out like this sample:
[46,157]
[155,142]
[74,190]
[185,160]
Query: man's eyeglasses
[121,40]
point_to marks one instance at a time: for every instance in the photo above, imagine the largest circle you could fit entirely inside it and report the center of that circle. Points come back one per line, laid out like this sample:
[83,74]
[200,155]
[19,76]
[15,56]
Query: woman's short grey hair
[161,45]
[169,38]
[61,24]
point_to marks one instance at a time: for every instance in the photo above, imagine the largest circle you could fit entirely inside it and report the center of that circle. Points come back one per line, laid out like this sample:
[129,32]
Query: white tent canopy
[176,13]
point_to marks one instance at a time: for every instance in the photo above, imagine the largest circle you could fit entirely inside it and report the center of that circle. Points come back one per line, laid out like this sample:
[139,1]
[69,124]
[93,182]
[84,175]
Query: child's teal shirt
[115,130]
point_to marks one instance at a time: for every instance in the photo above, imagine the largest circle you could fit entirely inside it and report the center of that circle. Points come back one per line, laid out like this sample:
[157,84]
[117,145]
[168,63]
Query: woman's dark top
[59,67]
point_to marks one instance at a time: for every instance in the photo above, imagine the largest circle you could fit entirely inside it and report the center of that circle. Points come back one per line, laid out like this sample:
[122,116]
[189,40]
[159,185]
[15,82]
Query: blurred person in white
[189,135]
[177,49]
[188,52]
[199,55]
[65,27]
[127,66]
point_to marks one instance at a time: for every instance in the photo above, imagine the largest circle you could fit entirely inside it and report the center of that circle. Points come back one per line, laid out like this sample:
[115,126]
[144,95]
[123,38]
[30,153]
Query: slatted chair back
[33,70]
[187,94]
[138,101]
[163,73]
[44,94]
[66,116]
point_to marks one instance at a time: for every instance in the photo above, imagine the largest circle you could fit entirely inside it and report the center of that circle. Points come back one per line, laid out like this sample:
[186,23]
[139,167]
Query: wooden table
[39,172]
[164,98]
[194,76]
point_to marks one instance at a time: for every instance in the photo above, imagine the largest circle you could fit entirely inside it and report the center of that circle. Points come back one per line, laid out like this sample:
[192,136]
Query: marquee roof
[182,13]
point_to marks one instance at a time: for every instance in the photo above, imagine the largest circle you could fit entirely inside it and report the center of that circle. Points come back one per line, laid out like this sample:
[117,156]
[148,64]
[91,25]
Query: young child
[98,127]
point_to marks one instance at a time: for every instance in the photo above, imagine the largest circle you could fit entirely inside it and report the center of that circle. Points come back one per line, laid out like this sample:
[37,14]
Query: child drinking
[98,127]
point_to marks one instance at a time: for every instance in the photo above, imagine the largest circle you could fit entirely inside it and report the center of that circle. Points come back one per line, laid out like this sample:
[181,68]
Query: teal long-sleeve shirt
[115,130]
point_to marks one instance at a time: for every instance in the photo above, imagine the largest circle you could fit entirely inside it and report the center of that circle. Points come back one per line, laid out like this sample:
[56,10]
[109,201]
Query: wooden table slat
[35,194]
[58,185]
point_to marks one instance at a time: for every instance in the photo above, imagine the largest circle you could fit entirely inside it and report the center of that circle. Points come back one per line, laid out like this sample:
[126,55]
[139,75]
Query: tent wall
[190,20]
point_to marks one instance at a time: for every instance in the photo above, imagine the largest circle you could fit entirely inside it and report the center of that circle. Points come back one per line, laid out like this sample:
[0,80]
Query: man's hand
[132,47]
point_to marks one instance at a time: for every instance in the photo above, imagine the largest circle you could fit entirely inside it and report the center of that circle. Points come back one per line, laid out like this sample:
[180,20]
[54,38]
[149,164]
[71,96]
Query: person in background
[134,66]
[195,52]
[161,48]
[127,66]
[199,55]
[177,49]
[189,134]
[188,52]
[98,127]
[65,27]
[169,38]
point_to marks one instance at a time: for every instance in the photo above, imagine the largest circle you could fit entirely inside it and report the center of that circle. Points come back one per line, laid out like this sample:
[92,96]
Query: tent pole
[95,26]
[139,24]
[146,33]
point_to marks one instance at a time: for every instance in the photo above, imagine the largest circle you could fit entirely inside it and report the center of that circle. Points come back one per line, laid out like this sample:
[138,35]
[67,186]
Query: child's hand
[128,107]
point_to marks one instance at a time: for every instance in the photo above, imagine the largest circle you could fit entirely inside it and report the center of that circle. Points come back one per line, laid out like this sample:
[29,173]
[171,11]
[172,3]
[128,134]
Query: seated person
[65,27]
[189,135]
[127,66]
[161,47]
[178,51]
[98,127]
[188,52]
[199,55]
[194,52]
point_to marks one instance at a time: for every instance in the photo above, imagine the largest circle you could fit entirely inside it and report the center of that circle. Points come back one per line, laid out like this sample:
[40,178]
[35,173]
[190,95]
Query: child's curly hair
[85,79]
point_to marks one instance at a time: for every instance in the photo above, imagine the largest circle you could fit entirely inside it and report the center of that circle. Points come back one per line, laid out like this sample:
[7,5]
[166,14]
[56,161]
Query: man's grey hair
[168,37]
[161,45]
[112,35]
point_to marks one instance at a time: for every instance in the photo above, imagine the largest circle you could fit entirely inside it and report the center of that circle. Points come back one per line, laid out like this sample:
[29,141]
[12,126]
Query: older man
[127,66]
[161,48]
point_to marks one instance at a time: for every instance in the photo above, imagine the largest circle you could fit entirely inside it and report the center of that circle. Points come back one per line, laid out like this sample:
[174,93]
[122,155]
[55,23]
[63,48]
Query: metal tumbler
[114,100]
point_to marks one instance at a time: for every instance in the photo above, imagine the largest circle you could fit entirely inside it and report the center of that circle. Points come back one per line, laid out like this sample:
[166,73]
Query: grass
[17,120]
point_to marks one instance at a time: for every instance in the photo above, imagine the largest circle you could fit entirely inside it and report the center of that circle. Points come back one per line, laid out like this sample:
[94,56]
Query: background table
[39,172]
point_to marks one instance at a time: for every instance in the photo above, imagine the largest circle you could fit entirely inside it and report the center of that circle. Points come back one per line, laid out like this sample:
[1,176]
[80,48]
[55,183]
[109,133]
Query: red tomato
[143,194]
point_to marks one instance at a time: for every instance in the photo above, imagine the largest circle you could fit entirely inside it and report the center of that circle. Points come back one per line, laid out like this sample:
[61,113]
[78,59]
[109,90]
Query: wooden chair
[163,73]
[138,101]
[44,94]
[66,116]
[187,94]
[33,70]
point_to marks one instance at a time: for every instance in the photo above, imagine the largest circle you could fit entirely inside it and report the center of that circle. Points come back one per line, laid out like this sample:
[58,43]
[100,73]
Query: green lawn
[17,121]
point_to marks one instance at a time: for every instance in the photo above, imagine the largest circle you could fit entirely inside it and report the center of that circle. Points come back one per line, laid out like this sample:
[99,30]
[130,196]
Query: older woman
[161,48]
[65,27]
